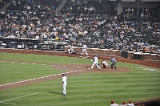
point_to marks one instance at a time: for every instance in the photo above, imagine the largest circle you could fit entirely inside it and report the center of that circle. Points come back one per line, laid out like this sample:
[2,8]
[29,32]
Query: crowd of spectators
[130,103]
[28,19]
[3,2]
[93,22]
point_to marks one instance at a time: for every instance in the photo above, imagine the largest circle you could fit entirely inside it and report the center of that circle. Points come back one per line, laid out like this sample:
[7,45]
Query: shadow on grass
[63,96]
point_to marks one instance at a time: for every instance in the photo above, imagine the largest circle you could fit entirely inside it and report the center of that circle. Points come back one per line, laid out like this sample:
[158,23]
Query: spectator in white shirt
[130,103]
[113,103]
[123,104]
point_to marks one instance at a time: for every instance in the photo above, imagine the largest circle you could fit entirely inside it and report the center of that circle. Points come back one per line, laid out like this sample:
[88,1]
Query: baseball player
[64,83]
[95,62]
[70,50]
[84,50]
[105,64]
[114,62]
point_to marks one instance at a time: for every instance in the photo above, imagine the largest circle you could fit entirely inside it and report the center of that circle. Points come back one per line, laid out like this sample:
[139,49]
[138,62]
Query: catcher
[104,64]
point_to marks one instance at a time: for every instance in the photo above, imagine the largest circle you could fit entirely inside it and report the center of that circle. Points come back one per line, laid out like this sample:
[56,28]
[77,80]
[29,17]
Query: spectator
[130,103]
[113,103]
[123,104]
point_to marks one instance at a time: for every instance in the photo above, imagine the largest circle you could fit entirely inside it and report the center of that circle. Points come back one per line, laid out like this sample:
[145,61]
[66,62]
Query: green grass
[12,72]
[42,58]
[87,89]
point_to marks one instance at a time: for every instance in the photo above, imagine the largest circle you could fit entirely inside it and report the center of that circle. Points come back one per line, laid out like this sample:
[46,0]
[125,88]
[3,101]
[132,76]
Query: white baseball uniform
[64,84]
[95,62]
[84,49]
[70,50]
[105,63]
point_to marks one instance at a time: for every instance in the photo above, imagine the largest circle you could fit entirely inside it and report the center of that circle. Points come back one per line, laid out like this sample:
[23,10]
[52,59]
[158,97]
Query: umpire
[113,63]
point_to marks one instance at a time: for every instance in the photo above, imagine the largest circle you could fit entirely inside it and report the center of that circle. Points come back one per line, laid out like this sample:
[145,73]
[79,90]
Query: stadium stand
[94,22]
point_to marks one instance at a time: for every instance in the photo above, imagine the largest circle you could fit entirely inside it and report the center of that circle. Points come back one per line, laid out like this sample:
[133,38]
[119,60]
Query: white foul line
[18,97]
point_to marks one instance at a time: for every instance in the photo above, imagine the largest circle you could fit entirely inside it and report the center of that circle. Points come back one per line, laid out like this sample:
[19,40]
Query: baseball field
[35,80]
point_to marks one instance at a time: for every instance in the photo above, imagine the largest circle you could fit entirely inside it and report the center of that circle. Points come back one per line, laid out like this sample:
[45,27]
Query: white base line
[7,100]
[18,97]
